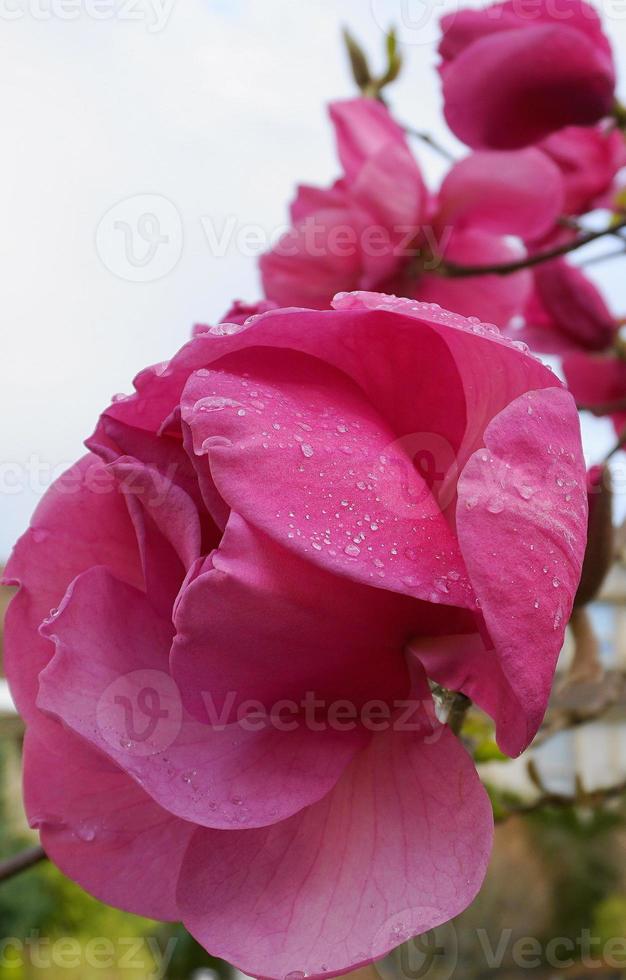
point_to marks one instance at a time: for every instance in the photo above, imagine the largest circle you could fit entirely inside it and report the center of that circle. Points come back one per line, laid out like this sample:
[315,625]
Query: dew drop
[306,450]
[86,833]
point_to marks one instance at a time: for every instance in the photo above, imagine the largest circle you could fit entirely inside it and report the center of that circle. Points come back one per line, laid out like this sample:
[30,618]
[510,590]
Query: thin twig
[454,271]
[607,694]
[596,259]
[21,862]
[616,448]
[458,710]
[431,142]
[557,801]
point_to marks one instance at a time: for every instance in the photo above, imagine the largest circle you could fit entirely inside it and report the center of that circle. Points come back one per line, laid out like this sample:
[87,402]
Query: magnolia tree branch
[595,799]
[431,142]
[21,862]
[605,257]
[454,271]
[616,448]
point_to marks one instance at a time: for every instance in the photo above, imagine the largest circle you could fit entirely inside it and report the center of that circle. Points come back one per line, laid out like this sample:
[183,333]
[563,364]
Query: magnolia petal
[350,500]
[522,526]
[64,539]
[109,682]
[399,846]
[99,827]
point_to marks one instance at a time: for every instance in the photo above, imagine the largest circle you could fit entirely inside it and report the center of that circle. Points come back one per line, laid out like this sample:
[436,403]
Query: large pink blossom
[333,505]
[515,72]
[378,228]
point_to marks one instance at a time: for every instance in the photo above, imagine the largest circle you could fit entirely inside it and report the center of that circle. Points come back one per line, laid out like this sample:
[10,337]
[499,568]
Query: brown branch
[616,448]
[557,801]
[459,707]
[604,258]
[581,704]
[21,862]
[431,142]
[454,271]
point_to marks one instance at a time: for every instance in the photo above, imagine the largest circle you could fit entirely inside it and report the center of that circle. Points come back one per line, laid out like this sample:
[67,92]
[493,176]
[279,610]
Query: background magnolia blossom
[244,118]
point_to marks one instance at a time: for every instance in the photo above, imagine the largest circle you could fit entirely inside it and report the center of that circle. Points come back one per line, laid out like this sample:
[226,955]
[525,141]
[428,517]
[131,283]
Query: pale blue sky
[215,105]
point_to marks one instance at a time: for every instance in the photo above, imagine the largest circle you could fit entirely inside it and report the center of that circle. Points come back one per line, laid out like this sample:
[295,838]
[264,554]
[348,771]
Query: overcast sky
[203,112]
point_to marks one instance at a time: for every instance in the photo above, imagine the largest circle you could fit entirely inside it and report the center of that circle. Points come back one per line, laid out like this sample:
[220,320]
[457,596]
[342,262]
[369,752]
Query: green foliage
[369,84]
[578,847]
[478,731]
[42,905]
[609,918]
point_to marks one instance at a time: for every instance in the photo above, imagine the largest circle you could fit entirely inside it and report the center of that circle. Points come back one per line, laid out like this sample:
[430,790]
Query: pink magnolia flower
[566,312]
[515,72]
[484,200]
[377,227]
[274,542]
[589,159]
[598,383]
[357,233]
